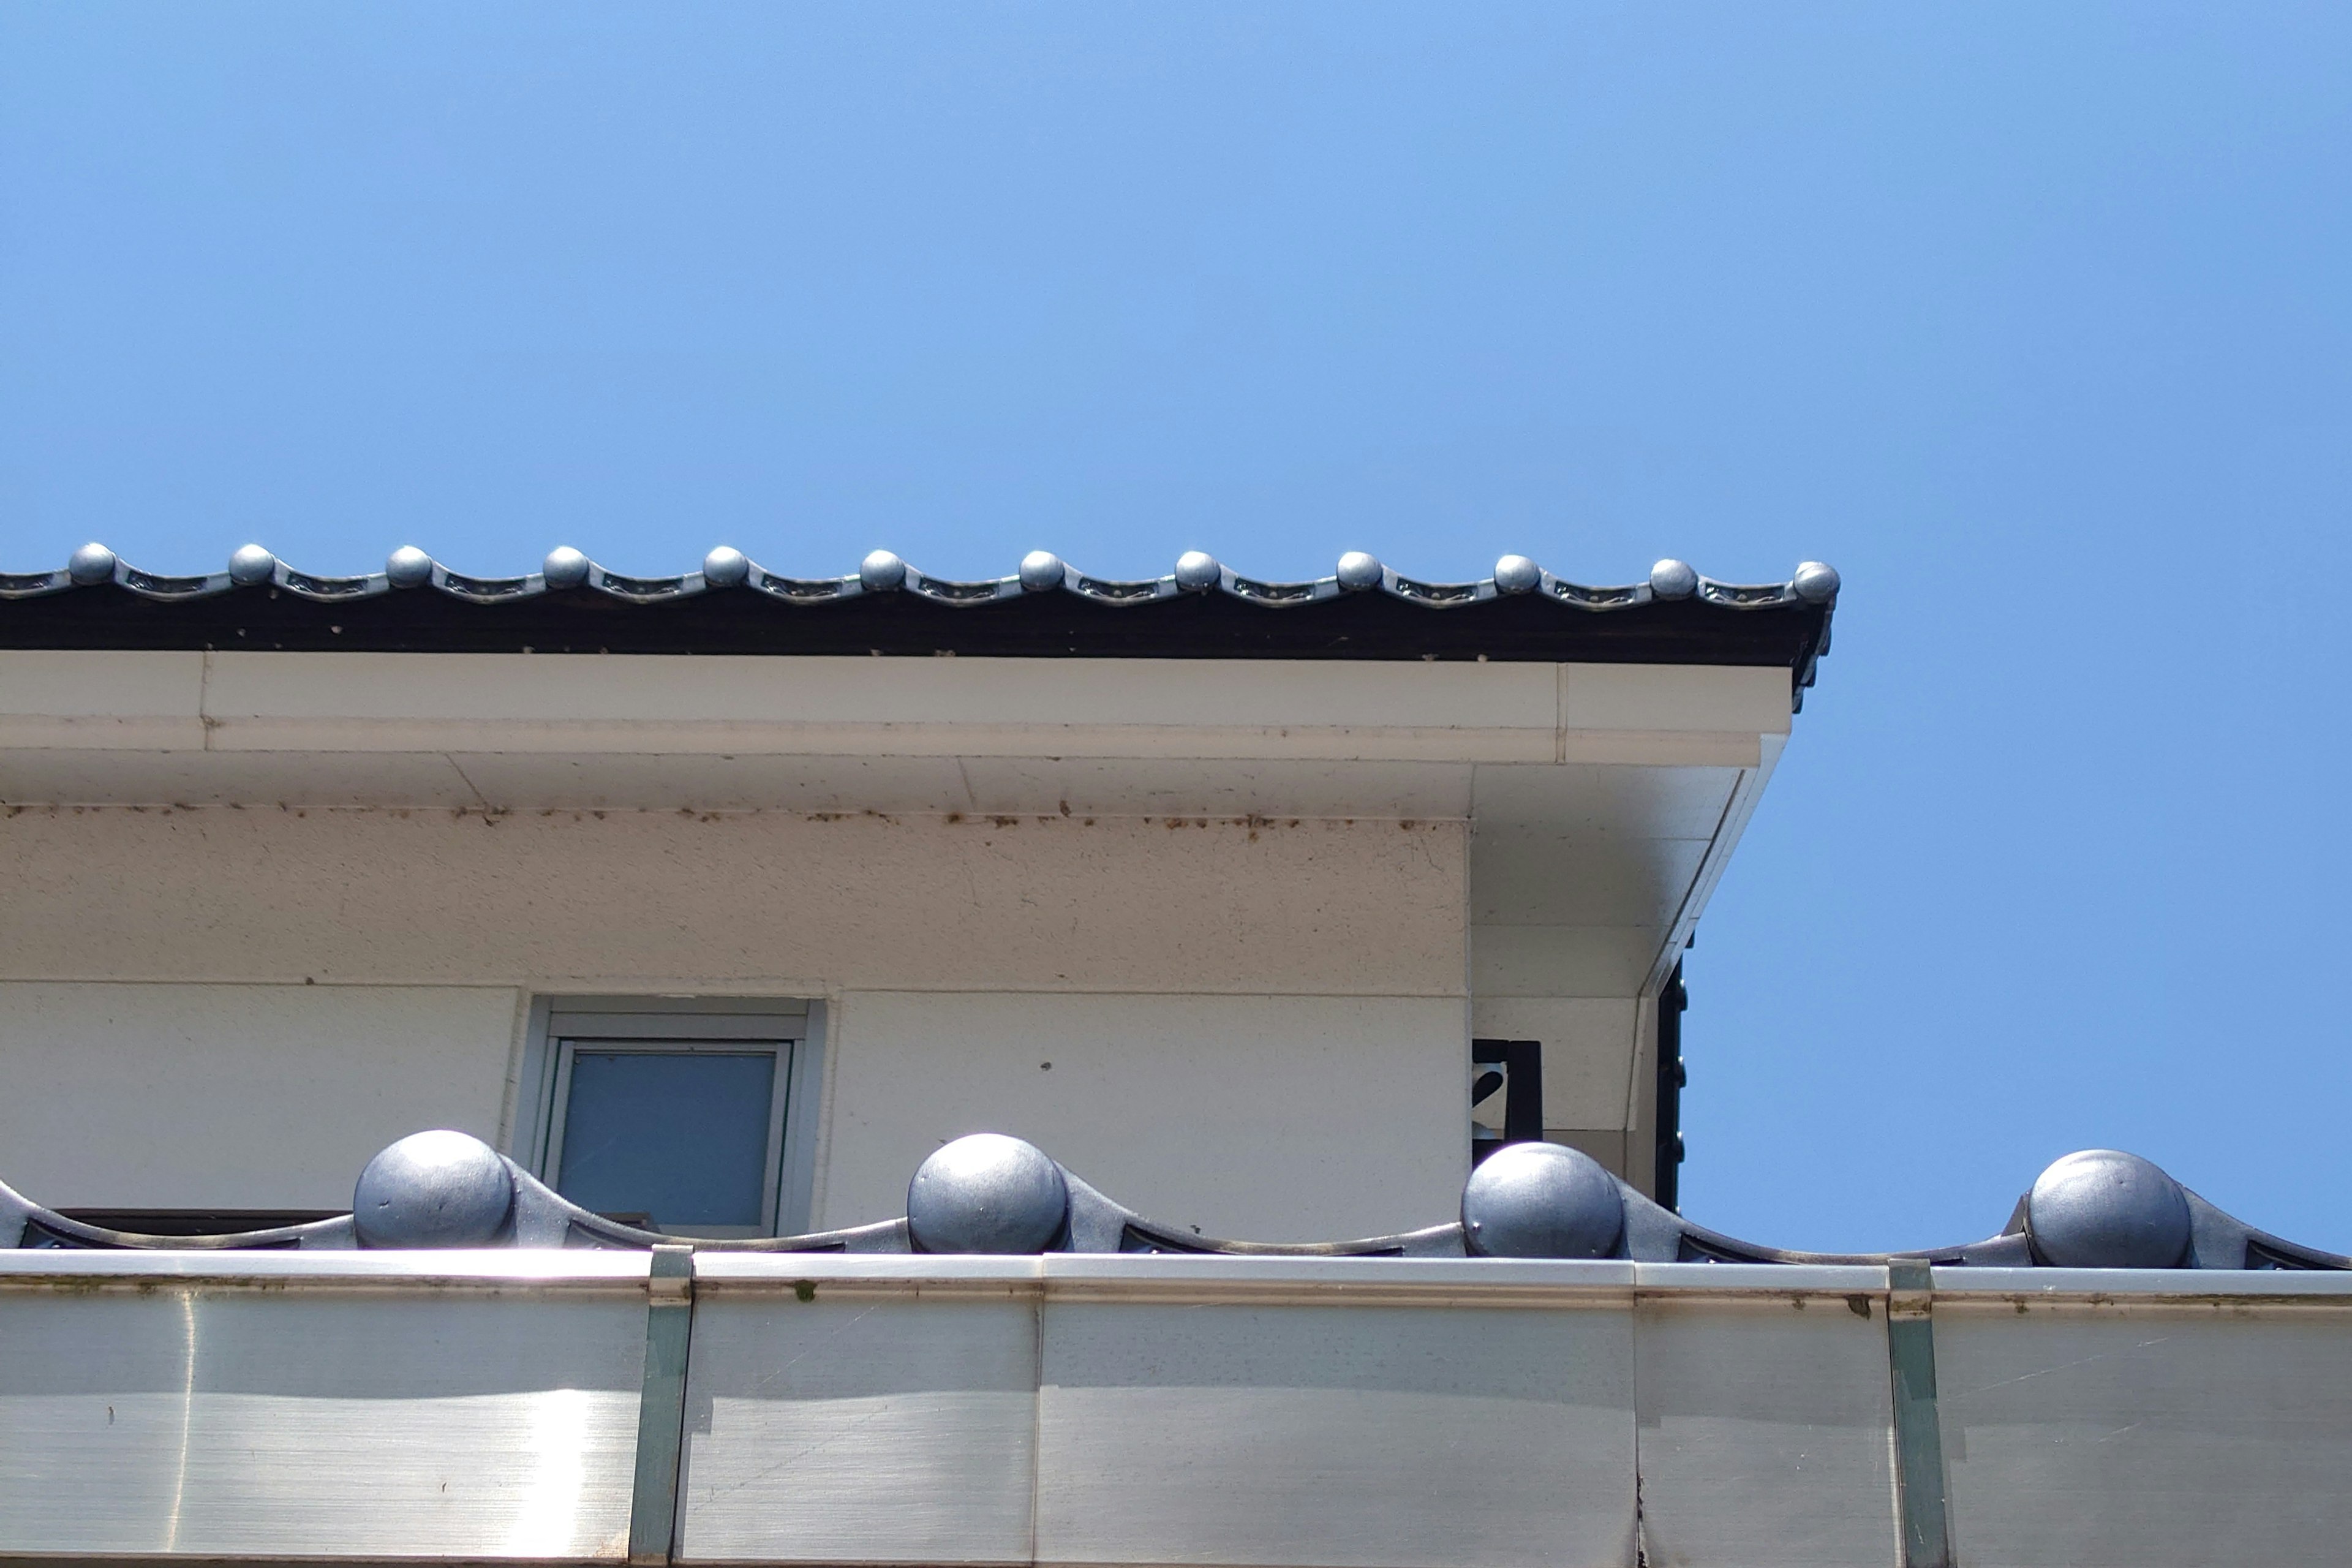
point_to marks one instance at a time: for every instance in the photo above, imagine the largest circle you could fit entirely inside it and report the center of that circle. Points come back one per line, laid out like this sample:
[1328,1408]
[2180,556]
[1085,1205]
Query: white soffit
[1606,798]
[1587,880]
[742,733]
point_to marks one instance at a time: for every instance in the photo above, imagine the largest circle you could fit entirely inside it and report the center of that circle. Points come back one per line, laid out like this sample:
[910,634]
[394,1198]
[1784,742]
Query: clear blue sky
[2035,319]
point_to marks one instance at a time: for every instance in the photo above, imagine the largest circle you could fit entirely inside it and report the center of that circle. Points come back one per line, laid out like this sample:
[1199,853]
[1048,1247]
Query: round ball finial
[251,566]
[564,568]
[1672,579]
[1197,570]
[2103,1208]
[1358,571]
[1816,582]
[1541,1200]
[882,570]
[1042,569]
[408,567]
[726,567]
[433,1189]
[1518,574]
[987,1193]
[93,562]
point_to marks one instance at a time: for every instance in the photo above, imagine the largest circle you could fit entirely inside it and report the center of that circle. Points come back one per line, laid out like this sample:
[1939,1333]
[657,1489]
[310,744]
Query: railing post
[661,1412]
[1919,1438]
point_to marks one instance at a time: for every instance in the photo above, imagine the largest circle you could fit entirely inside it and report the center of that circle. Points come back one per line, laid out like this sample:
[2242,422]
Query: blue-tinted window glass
[681,1136]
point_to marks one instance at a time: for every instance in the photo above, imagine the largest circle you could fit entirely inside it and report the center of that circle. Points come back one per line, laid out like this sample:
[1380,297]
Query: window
[682,1117]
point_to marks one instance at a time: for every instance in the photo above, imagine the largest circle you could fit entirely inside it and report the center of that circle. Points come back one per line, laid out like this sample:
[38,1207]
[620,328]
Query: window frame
[791,1030]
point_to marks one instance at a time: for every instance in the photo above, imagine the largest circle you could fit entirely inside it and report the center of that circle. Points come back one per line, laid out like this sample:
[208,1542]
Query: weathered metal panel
[1318,1430]
[1280,1412]
[242,1418]
[2146,1420]
[1766,1430]
[889,1418]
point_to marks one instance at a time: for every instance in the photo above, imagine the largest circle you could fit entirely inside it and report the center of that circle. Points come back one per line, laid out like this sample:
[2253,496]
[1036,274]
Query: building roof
[988,1193]
[1201,609]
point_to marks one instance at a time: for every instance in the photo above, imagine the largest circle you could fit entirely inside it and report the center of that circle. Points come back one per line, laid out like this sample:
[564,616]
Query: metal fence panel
[858,1427]
[237,1421]
[1362,1436]
[2143,1433]
[1766,1428]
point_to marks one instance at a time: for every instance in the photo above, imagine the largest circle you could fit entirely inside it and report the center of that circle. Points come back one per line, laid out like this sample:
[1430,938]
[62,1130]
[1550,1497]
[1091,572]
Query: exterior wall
[1585,881]
[1587,1065]
[833,828]
[757,902]
[258,1097]
[1254,1117]
[1640,1145]
[239,1007]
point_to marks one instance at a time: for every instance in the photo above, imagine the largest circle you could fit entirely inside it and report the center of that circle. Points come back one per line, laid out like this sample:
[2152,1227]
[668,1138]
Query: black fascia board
[1374,625]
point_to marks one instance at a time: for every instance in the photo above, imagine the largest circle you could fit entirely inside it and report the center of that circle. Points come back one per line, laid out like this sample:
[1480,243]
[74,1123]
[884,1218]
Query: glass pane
[681,1136]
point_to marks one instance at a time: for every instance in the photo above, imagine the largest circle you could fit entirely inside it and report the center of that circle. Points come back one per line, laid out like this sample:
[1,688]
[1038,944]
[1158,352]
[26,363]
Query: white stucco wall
[235,1096]
[1259,1118]
[840,827]
[1257,1027]
[750,901]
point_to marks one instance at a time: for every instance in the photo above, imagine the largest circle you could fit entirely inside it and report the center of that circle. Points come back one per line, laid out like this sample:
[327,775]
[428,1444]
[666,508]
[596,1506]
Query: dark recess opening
[1514,1070]
[1672,1001]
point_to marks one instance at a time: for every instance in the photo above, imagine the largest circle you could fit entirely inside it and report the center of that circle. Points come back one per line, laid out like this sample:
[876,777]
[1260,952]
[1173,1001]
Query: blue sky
[2035,321]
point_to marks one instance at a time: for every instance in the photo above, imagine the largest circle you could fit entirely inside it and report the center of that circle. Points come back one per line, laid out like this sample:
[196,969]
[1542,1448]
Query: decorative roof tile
[1201,608]
[882,572]
[989,1193]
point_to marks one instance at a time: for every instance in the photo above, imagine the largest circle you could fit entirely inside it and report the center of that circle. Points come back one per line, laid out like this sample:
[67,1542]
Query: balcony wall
[1067,1410]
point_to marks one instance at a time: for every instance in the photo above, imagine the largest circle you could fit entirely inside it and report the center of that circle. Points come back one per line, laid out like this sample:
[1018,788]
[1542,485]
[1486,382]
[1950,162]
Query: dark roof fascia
[1529,617]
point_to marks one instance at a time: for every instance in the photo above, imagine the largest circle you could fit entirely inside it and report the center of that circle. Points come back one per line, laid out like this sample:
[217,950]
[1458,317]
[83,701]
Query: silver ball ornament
[2102,1208]
[251,566]
[726,567]
[1672,579]
[1541,1200]
[988,1193]
[1816,582]
[1042,569]
[1197,570]
[408,567]
[93,562]
[433,1189]
[564,568]
[1518,574]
